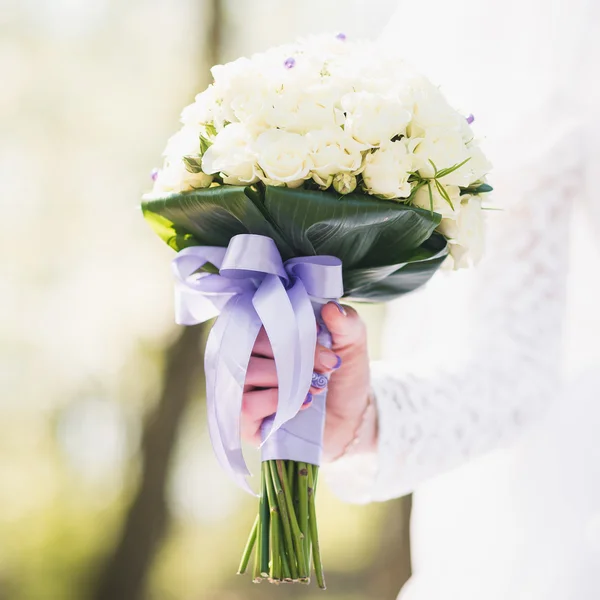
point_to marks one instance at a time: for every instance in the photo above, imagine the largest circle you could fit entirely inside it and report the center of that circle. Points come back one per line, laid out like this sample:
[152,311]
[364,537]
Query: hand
[347,364]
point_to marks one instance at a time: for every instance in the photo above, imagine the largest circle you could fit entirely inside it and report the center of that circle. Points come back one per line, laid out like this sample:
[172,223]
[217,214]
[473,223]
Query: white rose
[283,157]
[185,142]
[372,118]
[203,110]
[466,233]
[333,151]
[303,106]
[174,177]
[242,90]
[444,149]
[447,149]
[440,204]
[250,101]
[231,154]
[387,170]
[431,111]
[479,165]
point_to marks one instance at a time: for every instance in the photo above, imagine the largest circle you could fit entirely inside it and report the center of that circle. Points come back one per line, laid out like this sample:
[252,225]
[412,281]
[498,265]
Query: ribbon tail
[227,355]
[301,438]
[274,308]
[306,328]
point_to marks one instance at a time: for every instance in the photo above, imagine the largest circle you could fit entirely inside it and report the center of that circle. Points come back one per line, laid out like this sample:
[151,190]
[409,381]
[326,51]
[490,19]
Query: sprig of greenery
[193,164]
[205,144]
[420,181]
[210,129]
[443,193]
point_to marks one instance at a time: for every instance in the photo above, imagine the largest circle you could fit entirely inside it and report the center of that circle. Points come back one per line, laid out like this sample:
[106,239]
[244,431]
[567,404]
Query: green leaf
[205,144]
[208,217]
[387,248]
[387,283]
[360,230]
[435,171]
[210,129]
[479,188]
[193,163]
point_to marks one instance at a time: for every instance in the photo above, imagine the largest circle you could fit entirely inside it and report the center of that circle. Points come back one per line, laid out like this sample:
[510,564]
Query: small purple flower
[154,174]
[289,63]
[341,36]
[470,119]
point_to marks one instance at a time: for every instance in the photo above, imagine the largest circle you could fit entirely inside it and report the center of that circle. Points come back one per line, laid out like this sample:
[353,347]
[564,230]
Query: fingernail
[338,364]
[329,360]
[340,307]
[319,381]
[308,400]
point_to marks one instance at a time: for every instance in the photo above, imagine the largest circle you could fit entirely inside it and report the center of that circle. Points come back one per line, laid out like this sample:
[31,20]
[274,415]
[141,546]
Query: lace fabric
[510,310]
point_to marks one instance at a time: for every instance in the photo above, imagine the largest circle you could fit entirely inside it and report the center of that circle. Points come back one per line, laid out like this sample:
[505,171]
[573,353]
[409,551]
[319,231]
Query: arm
[513,306]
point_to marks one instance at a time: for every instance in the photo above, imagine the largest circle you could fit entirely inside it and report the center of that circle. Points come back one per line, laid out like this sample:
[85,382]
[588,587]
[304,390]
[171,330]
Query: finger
[261,372]
[259,404]
[319,383]
[262,346]
[326,360]
[344,324]
[256,406]
[308,401]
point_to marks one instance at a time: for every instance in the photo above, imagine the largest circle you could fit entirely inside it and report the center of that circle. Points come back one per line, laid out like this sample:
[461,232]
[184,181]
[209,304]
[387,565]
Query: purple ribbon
[254,289]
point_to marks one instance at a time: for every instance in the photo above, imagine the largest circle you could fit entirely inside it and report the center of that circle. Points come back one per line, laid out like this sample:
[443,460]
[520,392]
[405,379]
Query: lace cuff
[375,476]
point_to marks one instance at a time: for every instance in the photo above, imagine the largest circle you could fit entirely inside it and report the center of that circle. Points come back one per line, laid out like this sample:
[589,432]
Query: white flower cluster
[326,112]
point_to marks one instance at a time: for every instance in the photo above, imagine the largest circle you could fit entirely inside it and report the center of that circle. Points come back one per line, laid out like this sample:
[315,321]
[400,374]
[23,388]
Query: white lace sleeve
[512,306]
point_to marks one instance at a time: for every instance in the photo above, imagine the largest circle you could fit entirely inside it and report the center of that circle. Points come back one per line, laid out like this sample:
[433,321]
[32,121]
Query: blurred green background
[108,487]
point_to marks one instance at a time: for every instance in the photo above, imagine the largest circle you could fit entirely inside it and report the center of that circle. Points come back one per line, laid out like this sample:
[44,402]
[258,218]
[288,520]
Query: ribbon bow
[254,289]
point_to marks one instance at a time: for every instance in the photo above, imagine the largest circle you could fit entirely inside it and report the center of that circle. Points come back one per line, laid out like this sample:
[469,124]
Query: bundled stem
[248,549]
[297,537]
[264,526]
[303,507]
[312,519]
[285,529]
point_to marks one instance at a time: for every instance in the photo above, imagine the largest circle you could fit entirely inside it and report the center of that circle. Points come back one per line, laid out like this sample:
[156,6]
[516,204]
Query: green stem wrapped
[285,568]
[312,520]
[249,547]
[297,536]
[302,480]
[291,474]
[275,548]
[264,523]
[285,518]
[285,530]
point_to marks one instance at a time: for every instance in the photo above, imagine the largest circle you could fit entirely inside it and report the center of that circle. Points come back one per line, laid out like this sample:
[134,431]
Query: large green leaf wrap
[387,248]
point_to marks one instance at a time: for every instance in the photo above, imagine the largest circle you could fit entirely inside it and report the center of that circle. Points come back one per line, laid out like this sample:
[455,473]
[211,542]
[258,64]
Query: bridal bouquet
[310,172]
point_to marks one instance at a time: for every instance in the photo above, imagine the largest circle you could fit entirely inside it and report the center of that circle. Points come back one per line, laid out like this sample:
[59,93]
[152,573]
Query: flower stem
[297,536]
[303,508]
[248,549]
[275,549]
[312,518]
[264,523]
[285,568]
[285,518]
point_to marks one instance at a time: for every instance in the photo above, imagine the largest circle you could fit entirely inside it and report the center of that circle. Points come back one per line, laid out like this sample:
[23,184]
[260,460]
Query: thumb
[344,324]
